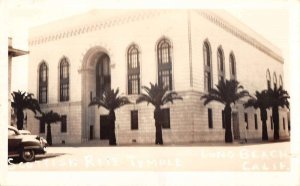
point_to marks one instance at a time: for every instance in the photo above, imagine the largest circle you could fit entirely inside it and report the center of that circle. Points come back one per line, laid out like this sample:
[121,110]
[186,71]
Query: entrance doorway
[104,127]
[235,123]
[96,77]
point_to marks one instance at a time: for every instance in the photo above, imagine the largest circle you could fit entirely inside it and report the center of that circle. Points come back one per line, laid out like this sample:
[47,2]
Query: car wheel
[28,155]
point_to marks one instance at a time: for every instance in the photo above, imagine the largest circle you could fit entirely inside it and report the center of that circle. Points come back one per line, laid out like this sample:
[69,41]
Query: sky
[272,22]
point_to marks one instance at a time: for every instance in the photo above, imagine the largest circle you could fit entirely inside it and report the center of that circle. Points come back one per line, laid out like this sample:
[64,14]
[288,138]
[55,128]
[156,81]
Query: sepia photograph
[115,93]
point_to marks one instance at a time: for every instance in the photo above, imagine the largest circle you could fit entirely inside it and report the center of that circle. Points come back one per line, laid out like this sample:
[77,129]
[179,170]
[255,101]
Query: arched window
[268,78]
[164,51]
[103,80]
[275,79]
[221,66]
[207,66]
[133,65]
[232,63]
[43,83]
[64,79]
[280,81]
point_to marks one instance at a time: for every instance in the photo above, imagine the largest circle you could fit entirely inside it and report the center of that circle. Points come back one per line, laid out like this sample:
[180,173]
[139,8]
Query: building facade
[74,59]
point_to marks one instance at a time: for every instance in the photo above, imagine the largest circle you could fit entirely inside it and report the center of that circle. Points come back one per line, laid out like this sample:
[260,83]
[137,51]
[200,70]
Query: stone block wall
[73,113]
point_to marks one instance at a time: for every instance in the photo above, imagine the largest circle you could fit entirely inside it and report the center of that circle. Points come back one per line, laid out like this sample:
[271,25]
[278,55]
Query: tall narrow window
[134,120]
[280,81]
[275,79]
[223,119]
[246,120]
[64,79]
[63,126]
[43,83]
[221,67]
[133,66]
[283,123]
[268,79]
[207,66]
[103,80]
[164,63]
[255,121]
[271,121]
[42,126]
[210,118]
[232,63]
[289,121]
[165,118]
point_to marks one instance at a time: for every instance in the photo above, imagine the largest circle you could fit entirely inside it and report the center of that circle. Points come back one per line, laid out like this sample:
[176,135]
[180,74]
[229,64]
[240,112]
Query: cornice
[82,29]
[240,34]
[60,104]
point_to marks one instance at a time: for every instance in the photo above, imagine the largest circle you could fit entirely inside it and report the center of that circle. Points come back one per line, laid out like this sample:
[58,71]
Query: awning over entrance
[13,52]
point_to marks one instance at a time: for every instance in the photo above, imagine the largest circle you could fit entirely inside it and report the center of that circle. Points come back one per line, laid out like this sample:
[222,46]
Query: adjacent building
[12,52]
[75,58]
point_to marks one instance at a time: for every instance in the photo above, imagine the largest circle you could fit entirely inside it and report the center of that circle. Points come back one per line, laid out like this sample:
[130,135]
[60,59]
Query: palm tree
[22,101]
[262,102]
[49,118]
[278,98]
[158,96]
[227,92]
[110,101]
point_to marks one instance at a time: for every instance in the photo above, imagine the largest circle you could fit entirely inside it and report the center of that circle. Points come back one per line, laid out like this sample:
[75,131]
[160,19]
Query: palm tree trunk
[20,118]
[49,135]
[263,115]
[275,114]
[228,132]
[158,131]
[112,134]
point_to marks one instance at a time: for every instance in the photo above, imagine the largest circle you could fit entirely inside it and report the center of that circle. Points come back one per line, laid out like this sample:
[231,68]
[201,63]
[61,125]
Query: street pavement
[253,157]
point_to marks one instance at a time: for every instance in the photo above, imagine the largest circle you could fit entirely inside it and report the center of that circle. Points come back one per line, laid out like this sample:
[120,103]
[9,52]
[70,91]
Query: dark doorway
[235,123]
[104,127]
[91,132]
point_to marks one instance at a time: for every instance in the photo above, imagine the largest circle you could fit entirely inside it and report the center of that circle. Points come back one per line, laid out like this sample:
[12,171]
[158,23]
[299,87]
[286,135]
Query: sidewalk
[104,143]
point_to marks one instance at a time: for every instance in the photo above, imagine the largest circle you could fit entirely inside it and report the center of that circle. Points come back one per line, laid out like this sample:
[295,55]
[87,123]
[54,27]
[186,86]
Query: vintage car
[27,132]
[24,146]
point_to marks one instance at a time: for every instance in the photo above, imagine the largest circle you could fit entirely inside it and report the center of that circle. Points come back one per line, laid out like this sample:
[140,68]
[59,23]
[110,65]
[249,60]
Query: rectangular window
[283,121]
[271,121]
[223,119]
[134,120]
[210,120]
[246,120]
[255,120]
[42,126]
[63,127]
[166,118]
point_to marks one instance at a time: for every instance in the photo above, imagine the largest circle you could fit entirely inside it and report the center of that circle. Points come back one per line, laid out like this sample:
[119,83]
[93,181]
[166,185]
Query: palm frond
[49,117]
[170,97]
[157,95]
[110,100]
[226,92]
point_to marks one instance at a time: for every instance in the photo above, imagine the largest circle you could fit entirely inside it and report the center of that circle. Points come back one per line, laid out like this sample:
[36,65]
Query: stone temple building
[75,58]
